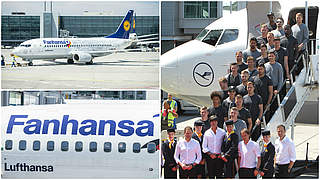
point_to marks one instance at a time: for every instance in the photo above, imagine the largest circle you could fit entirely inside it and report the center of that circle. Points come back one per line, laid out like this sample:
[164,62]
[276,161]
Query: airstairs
[306,82]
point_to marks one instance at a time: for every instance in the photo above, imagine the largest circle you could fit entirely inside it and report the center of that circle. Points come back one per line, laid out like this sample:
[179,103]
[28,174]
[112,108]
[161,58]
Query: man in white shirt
[249,151]
[212,142]
[187,155]
[285,154]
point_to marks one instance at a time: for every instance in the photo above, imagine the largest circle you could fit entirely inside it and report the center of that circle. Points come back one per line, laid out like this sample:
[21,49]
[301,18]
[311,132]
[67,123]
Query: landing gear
[29,62]
[90,62]
[70,61]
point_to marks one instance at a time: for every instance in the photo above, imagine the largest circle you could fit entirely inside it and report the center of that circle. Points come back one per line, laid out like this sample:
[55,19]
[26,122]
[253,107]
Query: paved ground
[132,70]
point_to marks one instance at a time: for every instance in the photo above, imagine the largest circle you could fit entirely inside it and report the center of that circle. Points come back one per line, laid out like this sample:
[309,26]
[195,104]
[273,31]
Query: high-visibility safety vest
[173,104]
[170,118]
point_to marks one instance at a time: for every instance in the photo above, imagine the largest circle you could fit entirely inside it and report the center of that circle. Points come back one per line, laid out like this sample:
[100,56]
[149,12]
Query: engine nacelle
[82,57]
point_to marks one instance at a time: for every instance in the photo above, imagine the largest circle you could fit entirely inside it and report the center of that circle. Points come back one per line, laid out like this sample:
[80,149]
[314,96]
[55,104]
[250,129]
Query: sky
[65,8]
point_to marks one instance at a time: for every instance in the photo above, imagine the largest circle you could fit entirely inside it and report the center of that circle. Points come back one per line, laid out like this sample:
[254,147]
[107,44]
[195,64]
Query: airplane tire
[89,63]
[70,61]
[30,64]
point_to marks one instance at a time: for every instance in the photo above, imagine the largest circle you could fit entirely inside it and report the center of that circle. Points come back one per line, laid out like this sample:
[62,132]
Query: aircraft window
[79,146]
[212,37]
[8,144]
[64,146]
[22,145]
[151,147]
[93,147]
[202,34]
[122,147]
[50,145]
[107,147]
[229,35]
[36,145]
[136,147]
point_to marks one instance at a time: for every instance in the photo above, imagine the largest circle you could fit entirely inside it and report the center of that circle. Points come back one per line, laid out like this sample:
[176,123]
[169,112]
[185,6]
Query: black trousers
[200,170]
[168,173]
[188,174]
[281,171]
[255,132]
[229,168]
[246,173]
[215,167]
[268,174]
[300,63]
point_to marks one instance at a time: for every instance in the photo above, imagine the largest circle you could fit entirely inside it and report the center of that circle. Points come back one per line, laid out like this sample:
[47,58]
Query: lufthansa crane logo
[126,25]
[203,74]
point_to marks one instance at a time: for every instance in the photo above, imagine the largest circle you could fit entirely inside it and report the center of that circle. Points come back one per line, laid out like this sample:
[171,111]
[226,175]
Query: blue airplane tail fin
[124,28]
[133,27]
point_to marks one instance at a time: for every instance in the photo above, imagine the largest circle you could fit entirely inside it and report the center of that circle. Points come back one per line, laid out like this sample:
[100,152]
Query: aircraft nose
[169,71]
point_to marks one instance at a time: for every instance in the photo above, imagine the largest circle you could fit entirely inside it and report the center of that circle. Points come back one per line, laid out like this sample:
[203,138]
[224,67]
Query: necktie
[170,143]
[199,135]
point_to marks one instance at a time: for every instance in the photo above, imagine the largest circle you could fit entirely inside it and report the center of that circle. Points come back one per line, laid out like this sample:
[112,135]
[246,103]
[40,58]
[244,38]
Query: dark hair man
[285,154]
[291,44]
[252,50]
[217,109]
[187,158]
[212,142]
[249,151]
[279,31]
[239,59]
[233,77]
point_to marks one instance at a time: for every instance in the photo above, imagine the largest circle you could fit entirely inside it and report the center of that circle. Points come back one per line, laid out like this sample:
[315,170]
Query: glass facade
[200,9]
[19,98]
[99,26]
[19,28]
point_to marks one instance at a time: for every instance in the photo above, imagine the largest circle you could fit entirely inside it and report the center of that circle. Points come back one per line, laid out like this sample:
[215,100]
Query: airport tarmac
[303,133]
[129,70]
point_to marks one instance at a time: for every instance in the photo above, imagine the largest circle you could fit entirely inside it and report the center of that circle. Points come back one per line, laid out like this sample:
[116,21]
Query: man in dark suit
[168,149]
[267,156]
[198,136]
[229,150]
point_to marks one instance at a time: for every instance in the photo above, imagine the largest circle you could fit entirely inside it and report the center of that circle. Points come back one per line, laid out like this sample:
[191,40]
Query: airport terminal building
[59,19]
[182,21]
[21,98]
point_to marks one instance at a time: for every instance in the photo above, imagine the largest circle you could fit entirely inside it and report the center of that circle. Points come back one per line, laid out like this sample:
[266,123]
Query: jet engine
[82,57]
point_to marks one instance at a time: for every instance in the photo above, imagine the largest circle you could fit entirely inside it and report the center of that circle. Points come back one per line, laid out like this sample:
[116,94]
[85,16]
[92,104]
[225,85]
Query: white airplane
[88,140]
[77,49]
[191,70]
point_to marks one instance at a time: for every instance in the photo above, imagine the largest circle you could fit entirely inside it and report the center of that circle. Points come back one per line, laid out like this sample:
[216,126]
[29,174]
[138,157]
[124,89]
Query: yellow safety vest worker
[173,104]
[170,119]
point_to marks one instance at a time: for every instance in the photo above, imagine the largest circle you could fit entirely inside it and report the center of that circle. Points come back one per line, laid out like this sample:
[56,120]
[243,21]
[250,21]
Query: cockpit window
[202,34]
[212,37]
[229,35]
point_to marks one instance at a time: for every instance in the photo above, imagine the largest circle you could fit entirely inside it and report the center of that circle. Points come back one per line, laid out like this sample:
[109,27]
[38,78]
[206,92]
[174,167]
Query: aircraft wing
[97,53]
[147,42]
[147,35]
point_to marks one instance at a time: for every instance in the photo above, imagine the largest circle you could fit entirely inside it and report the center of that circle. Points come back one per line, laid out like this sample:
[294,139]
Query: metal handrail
[262,119]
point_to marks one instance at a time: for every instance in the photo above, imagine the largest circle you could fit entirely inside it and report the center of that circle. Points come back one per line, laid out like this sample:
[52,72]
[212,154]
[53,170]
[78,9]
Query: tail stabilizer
[124,28]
